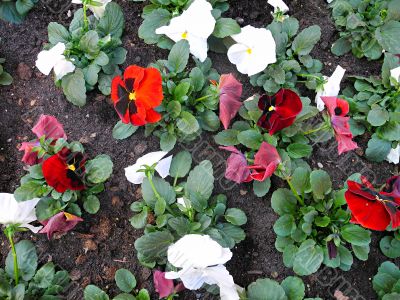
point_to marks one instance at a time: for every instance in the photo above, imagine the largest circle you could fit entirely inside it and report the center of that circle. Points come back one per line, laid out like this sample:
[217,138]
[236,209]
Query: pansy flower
[61,222]
[266,161]
[229,98]
[279,111]
[395,74]
[98,7]
[330,88]
[136,94]
[165,287]
[47,126]
[371,209]
[337,110]
[237,168]
[394,155]
[392,188]
[65,170]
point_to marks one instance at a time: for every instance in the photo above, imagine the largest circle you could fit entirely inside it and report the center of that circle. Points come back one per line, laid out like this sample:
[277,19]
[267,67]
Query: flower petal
[163,166]
[229,101]
[49,127]
[62,68]
[163,286]
[395,73]
[331,87]
[149,159]
[47,59]
[394,155]
[61,222]
[237,169]
[278,4]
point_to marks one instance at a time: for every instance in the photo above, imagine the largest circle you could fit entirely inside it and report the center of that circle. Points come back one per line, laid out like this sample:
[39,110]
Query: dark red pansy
[237,168]
[266,161]
[65,170]
[371,209]
[338,109]
[229,100]
[392,188]
[332,249]
[165,287]
[137,94]
[61,222]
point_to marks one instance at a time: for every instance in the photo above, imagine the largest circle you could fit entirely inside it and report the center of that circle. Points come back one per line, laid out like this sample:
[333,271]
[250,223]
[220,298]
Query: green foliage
[125,281]
[33,184]
[367,27]
[386,282]
[5,78]
[43,283]
[293,57]
[96,51]
[390,245]
[14,11]
[186,207]
[160,12]
[308,221]
[375,108]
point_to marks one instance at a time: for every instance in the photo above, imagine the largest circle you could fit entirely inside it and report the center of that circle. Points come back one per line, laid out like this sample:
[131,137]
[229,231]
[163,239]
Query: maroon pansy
[60,223]
[229,100]
[165,287]
[237,168]
[266,161]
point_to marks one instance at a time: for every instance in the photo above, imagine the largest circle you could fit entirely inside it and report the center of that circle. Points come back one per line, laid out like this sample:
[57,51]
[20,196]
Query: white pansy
[278,5]
[184,202]
[395,73]
[54,59]
[18,213]
[195,25]
[254,51]
[331,88]
[201,261]
[163,165]
[98,7]
[394,155]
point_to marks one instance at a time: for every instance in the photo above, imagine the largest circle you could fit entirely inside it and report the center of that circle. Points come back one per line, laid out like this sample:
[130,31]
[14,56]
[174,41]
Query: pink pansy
[266,161]
[47,126]
[237,169]
[338,109]
[165,287]
[61,222]
[229,100]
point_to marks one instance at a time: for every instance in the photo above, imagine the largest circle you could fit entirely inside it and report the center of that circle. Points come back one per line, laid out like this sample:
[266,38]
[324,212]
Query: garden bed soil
[104,242]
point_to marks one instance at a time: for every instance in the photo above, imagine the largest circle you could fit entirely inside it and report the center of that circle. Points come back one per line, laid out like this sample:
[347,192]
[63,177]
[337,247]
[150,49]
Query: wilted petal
[332,249]
[278,4]
[229,100]
[331,87]
[62,68]
[266,161]
[237,168]
[163,286]
[394,155]
[345,143]
[49,127]
[30,157]
[61,222]
[163,166]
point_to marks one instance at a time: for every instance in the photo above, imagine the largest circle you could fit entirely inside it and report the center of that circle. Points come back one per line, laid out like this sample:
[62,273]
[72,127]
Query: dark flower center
[338,111]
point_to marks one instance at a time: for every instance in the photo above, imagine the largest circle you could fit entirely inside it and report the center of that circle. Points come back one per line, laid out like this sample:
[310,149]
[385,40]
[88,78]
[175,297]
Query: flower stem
[158,196]
[85,18]
[324,126]
[301,201]
[202,98]
[9,234]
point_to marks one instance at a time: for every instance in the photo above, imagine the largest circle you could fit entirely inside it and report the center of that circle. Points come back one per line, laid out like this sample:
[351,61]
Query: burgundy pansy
[338,109]
[47,126]
[65,170]
[165,287]
[279,111]
[371,209]
[237,168]
[332,249]
[61,223]
[229,100]
[392,188]
[266,161]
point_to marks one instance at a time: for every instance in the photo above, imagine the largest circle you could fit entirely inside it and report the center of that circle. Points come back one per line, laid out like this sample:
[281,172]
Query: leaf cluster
[386,282]
[14,11]
[5,78]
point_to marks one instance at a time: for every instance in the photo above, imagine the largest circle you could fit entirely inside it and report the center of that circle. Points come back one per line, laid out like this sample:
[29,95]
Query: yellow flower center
[132,96]
[271,108]
[184,35]
[249,51]
[71,167]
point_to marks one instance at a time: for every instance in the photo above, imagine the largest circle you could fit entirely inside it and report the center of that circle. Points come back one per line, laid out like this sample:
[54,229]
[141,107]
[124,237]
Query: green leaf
[301,180]
[283,202]
[390,247]
[44,276]
[152,21]
[57,33]
[361,252]
[91,204]
[187,123]
[112,22]
[89,43]
[387,36]
[153,246]
[285,225]
[167,141]
[99,169]
[322,221]
[321,183]
[235,216]
[27,260]
[306,40]
[197,79]
[181,164]
[124,296]
[5,78]
[122,131]
[265,289]
[139,220]
[289,253]
[377,149]
[390,131]
[29,190]
[125,280]
[297,150]
[24,6]
[143,295]
[201,180]
[250,138]
[178,57]
[163,188]
[377,116]
[261,188]
[356,235]
[225,27]
[341,46]
[227,137]
[74,87]
[92,292]
[294,288]
[308,258]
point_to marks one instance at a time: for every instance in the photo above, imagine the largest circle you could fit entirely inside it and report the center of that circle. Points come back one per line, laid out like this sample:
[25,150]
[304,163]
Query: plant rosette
[126,283]
[87,54]
[173,103]
[293,59]
[200,22]
[367,28]
[314,225]
[62,177]
[387,281]
[170,211]
[45,282]
[375,108]
[14,11]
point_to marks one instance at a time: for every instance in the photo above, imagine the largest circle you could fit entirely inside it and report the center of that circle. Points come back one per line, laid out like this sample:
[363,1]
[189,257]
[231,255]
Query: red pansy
[165,287]
[338,109]
[266,160]
[47,126]
[229,99]
[371,209]
[237,168]
[279,111]
[136,94]
[392,188]
[65,170]
[61,222]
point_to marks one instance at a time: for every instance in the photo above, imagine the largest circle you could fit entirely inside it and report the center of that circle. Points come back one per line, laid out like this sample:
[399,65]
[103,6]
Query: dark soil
[104,242]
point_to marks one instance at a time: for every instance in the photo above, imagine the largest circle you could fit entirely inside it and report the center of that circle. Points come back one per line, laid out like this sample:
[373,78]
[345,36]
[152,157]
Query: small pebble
[320,165]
